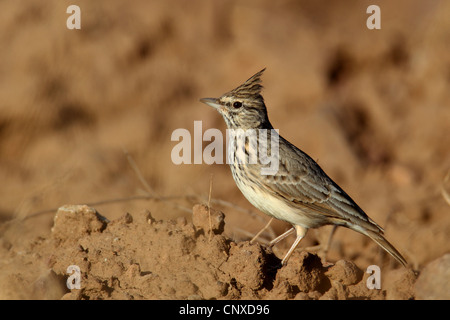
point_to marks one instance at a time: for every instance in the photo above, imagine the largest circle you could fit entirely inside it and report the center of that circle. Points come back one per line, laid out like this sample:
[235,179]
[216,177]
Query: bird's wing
[300,179]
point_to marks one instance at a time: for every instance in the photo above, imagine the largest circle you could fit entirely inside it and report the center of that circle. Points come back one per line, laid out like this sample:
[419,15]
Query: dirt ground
[86,118]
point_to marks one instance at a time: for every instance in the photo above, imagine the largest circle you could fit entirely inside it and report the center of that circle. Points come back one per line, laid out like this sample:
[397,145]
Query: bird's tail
[382,242]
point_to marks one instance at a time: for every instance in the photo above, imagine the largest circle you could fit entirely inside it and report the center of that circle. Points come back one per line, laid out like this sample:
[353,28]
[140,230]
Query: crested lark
[300,192]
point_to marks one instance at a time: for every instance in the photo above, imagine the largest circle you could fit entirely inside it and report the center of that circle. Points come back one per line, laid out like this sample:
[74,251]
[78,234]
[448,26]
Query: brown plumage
[300,192]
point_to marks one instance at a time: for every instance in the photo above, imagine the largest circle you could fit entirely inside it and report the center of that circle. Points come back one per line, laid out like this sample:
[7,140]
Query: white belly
[275,207]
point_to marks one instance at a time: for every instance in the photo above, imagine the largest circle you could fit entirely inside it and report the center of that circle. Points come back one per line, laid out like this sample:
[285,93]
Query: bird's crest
[250,88]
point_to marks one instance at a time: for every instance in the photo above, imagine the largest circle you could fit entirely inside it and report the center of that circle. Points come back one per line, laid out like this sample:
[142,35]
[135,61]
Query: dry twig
[444,192]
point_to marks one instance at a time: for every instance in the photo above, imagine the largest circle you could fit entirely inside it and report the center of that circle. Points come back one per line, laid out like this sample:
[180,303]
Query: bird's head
[242,107]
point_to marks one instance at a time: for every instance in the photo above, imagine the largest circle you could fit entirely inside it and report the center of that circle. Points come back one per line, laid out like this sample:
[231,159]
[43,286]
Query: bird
[299,192]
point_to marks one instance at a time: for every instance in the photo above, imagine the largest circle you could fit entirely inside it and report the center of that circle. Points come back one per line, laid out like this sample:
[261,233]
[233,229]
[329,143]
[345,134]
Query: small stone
[434,280]
[346,272]
[208,219]
[128,218]
[75,221]
[181,221]
[149,218]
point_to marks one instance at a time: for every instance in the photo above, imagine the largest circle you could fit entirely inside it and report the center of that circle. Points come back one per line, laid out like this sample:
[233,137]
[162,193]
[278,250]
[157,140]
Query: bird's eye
[237,104]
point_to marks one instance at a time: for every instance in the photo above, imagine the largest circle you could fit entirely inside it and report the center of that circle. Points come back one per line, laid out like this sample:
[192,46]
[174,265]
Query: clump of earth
[139,257]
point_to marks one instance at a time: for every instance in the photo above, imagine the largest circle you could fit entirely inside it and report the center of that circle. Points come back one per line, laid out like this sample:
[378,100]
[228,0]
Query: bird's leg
[326,247]
[281,237]
[261,231]
[301,232]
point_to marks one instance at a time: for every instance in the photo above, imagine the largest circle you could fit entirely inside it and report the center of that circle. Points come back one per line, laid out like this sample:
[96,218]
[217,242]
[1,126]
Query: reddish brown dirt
[179,260]
[372,106]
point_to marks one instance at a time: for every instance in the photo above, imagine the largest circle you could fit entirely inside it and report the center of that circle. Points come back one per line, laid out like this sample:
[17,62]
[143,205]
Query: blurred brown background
[372,106]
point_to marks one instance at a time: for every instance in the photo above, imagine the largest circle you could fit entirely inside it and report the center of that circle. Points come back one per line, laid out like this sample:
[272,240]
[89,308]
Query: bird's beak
[212,102]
